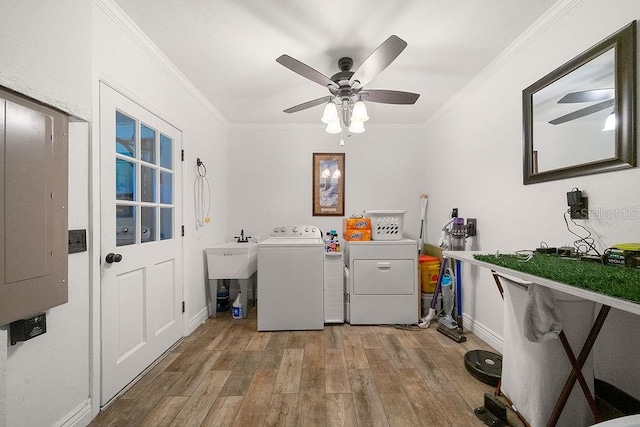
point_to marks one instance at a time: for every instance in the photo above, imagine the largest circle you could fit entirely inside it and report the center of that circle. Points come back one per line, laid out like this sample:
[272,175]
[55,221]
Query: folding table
[577,363]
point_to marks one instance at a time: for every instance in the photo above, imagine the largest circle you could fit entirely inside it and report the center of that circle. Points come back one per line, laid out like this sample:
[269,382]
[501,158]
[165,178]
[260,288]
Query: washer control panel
[289,231]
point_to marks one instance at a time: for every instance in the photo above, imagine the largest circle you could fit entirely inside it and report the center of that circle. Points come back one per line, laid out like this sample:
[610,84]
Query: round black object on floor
[484,365]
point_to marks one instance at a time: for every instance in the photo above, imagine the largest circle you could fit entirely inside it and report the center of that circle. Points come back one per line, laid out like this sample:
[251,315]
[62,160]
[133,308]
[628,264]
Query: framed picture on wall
[328,184]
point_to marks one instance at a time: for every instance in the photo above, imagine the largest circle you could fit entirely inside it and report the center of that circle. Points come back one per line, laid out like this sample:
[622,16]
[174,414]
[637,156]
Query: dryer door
[383,277]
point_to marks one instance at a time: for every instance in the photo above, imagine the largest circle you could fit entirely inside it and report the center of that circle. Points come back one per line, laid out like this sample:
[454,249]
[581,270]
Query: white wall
[46,52]
[270,176]
[4,330]
[474,161]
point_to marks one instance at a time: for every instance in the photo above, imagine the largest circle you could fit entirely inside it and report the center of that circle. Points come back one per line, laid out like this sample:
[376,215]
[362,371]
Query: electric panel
[33,207]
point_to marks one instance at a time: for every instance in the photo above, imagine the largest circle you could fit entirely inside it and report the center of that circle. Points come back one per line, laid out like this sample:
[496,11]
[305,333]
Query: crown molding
[120,18]
[549,18]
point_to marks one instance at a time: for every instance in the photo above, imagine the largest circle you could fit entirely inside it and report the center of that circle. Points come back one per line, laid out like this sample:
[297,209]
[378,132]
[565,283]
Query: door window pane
[166,188]
[125,135]
[166,152]
[148,180]
[147,144]
[125,225]
[145,182]
[148,221]
[125,180]
[166,223]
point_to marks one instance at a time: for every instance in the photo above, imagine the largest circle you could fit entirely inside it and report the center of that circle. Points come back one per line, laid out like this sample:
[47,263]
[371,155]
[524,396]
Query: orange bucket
[429,270]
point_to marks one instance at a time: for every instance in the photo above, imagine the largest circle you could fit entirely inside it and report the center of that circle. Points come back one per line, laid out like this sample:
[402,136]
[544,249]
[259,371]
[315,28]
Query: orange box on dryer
[356,235]
[356,223]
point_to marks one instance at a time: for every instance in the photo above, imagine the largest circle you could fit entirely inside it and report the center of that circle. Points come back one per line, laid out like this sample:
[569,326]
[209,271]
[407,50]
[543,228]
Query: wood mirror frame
[623,42]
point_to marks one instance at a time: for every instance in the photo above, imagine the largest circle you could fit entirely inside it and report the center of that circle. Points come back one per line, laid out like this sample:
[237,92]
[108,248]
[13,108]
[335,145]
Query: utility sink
[232,260]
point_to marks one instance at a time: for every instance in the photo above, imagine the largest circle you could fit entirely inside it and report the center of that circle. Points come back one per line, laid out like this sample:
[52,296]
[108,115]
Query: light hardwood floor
[228,374]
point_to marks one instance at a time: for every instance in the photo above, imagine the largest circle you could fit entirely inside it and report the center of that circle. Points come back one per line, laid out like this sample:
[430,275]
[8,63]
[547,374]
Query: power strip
[566,251]
[547,250]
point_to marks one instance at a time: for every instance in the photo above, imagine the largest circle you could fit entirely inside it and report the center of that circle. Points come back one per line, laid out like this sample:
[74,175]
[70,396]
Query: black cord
[412,327]
[583,242]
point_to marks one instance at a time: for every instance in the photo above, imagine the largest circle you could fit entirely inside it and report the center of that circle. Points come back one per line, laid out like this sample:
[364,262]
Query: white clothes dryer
[290,279]
[382,282]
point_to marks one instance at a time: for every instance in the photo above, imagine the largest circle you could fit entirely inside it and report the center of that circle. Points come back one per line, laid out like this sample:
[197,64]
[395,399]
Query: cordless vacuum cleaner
[447,325]
[453,237]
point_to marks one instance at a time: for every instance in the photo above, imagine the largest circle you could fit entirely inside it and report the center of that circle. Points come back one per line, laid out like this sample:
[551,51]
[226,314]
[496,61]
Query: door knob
[111,258]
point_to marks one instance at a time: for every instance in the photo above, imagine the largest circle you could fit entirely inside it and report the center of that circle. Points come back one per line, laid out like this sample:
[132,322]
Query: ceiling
[228,49]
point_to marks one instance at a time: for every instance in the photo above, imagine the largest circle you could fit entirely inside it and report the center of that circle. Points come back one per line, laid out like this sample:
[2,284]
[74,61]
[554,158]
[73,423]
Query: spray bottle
[236,307]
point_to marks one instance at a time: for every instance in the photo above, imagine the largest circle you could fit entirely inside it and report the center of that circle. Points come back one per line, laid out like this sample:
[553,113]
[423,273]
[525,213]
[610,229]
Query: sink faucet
[241,238]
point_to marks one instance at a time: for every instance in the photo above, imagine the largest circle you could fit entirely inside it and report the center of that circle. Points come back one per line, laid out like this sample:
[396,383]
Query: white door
[141,249]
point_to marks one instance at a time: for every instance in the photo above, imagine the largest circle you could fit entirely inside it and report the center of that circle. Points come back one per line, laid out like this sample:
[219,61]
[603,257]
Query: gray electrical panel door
[33,202]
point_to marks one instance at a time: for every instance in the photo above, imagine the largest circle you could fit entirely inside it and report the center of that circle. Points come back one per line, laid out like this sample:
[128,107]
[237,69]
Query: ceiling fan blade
[587,96]
[308,104]
[583,112]
[389,96]
[305,71]
[379,59]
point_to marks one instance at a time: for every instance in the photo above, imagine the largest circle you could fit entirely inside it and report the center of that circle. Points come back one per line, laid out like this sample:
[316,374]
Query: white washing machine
[382,282]
[290,279]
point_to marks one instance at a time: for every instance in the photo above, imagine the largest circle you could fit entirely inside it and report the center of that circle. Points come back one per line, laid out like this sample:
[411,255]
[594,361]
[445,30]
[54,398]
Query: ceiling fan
[347,87]
[604,99]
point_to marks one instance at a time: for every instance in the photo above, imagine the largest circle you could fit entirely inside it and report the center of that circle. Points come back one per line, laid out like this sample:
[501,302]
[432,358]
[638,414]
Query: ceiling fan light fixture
[330,113]
[356,126]
[610,123]
[359,112]
[345,108]
[333,127]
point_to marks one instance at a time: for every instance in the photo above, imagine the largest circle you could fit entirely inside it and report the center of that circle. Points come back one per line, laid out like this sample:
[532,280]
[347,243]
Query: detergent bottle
[236,308]
[222,300]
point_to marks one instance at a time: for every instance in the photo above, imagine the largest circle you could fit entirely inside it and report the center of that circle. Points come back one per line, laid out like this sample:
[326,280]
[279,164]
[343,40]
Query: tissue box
[356,224]
[356,235]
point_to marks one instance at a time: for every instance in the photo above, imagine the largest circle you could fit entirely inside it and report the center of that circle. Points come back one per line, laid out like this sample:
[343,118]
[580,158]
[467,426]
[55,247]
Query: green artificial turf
[615,281]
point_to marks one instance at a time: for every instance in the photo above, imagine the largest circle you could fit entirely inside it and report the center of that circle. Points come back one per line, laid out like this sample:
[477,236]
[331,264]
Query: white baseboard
[197,320]
[484,333]
[81,416]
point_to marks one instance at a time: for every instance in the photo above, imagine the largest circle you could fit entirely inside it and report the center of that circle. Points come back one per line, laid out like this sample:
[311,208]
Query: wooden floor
[227,373]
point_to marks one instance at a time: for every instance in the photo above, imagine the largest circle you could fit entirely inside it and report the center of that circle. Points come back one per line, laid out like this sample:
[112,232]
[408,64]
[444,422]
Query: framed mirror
[580,118]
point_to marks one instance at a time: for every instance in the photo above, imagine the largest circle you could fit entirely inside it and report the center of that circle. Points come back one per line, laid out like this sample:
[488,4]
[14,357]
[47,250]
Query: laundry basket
[533,374]
[386,225]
